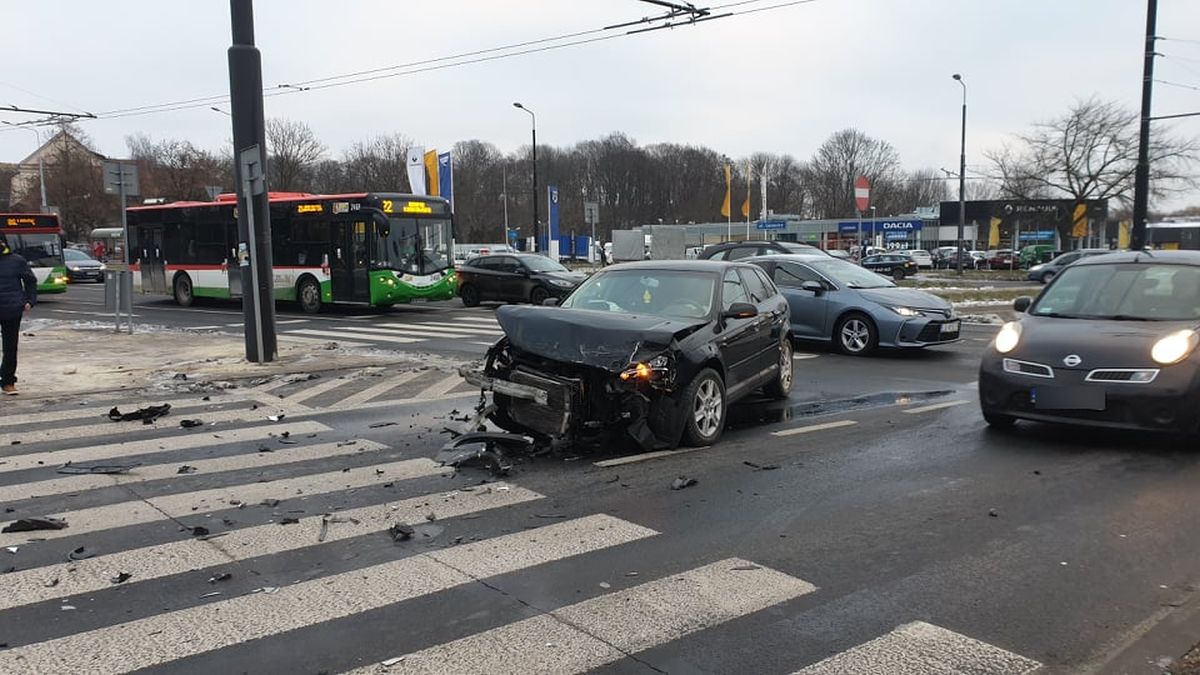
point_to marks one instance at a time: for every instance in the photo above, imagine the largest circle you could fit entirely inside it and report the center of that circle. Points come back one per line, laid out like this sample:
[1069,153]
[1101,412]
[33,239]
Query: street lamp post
[41,164]
[874,227]
[962,177]
[533,122]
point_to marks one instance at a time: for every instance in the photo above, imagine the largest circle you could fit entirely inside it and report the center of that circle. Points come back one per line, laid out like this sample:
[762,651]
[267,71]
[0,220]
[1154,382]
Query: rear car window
[755,288]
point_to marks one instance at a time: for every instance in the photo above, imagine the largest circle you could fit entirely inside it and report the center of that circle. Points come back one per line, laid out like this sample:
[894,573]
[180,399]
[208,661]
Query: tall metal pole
[1141,179]
[962,178]
[249,130]
[533,122]
[504,194]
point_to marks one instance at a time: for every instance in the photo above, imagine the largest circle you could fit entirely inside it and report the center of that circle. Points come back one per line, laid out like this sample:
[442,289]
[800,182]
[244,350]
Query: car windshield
[848,274]
[539,263]
[670,294]
[1123,291]
[76,256]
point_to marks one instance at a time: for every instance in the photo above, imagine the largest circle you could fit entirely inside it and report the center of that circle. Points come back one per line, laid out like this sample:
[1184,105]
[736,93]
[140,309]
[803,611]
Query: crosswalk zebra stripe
[311,392]
[100,413]
[406,329]
[317,341]
[449,330]
[182,441]
[26,587]
[921,648]
[935,406]
[254,460]
[107,427]
[480,330]
[606,629]
[478,319]
[439,388]
[378,389]
[160,639]
[151,509]
[339,335]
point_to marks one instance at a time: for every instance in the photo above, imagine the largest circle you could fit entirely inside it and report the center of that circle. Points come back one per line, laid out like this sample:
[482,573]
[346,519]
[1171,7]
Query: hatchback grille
[1028,368]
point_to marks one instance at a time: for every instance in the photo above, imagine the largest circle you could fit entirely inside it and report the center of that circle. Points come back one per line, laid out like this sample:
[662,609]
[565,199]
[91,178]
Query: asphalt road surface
[870,524]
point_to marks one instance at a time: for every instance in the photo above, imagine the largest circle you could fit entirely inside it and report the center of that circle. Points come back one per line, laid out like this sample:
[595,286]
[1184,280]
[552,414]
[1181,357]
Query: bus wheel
[309,294]
[184,297]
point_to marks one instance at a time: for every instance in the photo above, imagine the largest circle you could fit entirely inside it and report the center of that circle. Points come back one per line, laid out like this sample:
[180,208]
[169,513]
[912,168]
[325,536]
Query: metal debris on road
[605,584]
[683,482]
[199,531]
[760,467]
[186,469]
[401,532]
[380,425]
[745,568]
[272,503]
[212,594]
[121,577]
[276,418]
[12,549]
[289,521]
[220,576]
[147,415]
[34,524]
[300,377]
[190,424]
[51,583]
[993,513]
[73,469]
[388,663]
[81,553]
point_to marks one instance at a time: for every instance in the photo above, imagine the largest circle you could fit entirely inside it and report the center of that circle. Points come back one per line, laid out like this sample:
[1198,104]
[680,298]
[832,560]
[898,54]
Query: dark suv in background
[738,250]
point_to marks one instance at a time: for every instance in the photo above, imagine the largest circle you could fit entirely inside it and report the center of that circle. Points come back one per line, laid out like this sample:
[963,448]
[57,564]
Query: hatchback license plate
[950,327]
[1068,398]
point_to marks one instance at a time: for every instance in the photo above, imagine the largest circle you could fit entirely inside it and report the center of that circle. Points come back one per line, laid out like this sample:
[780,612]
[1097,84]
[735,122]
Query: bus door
[154,271]
[350,261]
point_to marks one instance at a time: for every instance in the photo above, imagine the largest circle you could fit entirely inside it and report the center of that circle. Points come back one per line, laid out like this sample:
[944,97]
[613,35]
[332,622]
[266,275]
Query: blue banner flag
[446,177]
[552,199]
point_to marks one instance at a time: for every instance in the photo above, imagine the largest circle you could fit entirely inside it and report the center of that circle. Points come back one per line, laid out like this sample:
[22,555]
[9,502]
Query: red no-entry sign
[862,193]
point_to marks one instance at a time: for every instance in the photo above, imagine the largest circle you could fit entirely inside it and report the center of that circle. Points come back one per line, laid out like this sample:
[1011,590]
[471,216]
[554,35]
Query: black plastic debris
[289,521]
[190,424]
[485,449]
[220,576]
[760,467]
[121,577]
[81,553]
[147,415]
[994,513]
[401,532]
[683,482]
[380,425]
[199,531]
[745,568]
[179,376]
[186,469]
[72,469]
[34,524]
[270,503]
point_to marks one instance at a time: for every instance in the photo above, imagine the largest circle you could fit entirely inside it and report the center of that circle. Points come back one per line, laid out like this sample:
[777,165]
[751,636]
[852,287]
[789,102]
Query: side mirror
[740,310]
[551,302]
[813,287]
[1022,303]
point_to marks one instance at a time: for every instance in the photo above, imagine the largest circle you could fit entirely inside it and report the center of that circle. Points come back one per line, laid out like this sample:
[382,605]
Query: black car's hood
[608,340]
[1098,344]
[87,264]
[573,277]
[904,297]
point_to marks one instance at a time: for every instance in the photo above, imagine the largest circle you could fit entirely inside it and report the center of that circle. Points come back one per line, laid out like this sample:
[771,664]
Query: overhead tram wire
[456,60]
[1177,84]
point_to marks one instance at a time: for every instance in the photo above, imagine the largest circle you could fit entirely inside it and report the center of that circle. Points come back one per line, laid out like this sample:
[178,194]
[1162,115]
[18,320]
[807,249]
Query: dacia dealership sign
[903,228]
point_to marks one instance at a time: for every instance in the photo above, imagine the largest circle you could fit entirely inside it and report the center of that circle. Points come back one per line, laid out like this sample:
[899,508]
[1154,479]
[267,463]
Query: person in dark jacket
[18,294]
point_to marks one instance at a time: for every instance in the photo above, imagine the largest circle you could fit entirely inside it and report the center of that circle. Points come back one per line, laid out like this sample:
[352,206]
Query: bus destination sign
[310,208]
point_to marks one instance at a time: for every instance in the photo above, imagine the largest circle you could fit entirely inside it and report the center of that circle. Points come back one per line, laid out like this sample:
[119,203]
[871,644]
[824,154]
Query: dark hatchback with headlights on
[1111,342]
[515,277]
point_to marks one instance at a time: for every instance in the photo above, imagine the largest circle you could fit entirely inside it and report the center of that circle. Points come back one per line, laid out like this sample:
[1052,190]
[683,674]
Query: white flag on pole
[416,169]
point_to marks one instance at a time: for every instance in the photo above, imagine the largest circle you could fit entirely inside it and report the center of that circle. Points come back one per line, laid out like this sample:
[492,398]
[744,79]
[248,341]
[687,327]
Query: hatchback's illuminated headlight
[1175,347]
[1008,337]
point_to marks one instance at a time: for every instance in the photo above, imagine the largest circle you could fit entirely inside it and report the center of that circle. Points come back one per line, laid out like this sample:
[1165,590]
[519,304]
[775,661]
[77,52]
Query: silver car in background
[855,309]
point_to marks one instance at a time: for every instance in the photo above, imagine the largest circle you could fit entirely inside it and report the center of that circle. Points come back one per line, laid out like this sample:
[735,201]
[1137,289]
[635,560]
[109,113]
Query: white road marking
[152,562]
[439,388]
[202,327]
[632,459]
[179,406]
[287,322]
[107,427]
[313,391]
[603,630]
[153,509]
[376,390]
[119,452]
[285,454]
[803,357]
[160,639]
[478,319]
[935,406]
[814,427]
[459,329]
[108,315]
[339,335]
[318,341]
[407,329]
[921,648]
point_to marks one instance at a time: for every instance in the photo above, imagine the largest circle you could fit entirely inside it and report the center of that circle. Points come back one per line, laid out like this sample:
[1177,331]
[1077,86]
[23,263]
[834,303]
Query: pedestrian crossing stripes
[107,427]
[475,331]
[920,648]
[178,406]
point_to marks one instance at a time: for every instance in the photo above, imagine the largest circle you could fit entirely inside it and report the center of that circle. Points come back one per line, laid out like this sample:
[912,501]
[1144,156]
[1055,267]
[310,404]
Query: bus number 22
[387,206]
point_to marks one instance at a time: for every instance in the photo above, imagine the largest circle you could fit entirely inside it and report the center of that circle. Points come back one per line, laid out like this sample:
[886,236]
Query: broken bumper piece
[484,449]
[477,378]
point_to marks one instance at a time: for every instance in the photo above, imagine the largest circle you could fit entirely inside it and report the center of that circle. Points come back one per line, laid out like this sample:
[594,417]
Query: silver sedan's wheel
[706,408]
[855,335]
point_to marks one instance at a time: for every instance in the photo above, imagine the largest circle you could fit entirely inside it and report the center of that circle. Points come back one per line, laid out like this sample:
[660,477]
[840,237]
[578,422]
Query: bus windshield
[39,250]
[414,246]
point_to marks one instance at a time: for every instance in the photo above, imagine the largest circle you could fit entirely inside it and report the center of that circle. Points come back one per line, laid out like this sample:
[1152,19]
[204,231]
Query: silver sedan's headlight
[906,311]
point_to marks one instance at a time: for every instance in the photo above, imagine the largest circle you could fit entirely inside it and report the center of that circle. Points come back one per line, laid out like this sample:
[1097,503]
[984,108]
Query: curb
[1156,643]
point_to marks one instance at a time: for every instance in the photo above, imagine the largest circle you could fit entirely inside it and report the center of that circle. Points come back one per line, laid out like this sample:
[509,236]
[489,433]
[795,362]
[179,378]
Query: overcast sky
[777,81]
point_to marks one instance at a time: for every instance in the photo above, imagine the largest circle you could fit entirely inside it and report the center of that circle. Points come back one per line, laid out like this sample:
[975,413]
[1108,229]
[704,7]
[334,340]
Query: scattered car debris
[186,468]
[199,531]
[271,503]
[12,549]
[51,583]
[343,444]
[211,594]
[34,524]
[300,377]
[289,521]
[121,577]
[265,589]
[682,482]
[486,449]
[993,513]
[67,608]
[401,532]
[220,576]
[190,424]
[760,467]
[605,584]
[745,568]
[147,415]
[631,574]
[72,469]
[276,418]
[388,663]
[81,553]
[380,425]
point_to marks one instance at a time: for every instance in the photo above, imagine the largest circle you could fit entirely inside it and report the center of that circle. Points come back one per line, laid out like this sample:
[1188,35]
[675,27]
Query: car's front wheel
[705,397]
[538,295]
[781,386]
[898,273]
[855,335]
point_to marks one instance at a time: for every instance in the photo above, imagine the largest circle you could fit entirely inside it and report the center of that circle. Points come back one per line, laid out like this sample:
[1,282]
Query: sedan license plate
[1068,398]
[950,327]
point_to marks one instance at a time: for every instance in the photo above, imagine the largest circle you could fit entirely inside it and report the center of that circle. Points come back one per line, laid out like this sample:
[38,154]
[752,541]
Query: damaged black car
[653,352]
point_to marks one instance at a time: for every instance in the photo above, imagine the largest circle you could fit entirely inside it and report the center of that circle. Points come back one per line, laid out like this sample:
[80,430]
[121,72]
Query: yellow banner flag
[431,172]
[1080,220]
[1124,229]
[728,185]
[994,234]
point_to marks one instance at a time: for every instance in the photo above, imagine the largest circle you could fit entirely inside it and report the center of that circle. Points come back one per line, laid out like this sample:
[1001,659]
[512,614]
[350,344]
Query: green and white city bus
[38,237]
[373,248]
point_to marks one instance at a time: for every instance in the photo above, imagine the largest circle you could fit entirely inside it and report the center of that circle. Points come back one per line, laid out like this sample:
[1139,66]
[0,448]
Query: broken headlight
[657,368]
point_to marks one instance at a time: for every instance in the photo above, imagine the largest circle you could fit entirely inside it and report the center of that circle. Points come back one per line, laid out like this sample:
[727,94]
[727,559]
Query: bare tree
[378,164]
[844,156]
[75,184]
[175,169]
[478,184]
[293,149]
[1091,153]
